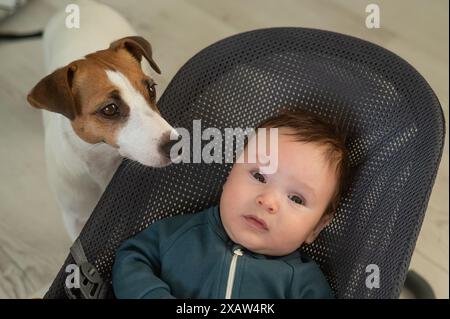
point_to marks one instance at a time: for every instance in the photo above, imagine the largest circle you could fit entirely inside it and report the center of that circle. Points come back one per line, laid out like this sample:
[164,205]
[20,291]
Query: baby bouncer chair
[396,135]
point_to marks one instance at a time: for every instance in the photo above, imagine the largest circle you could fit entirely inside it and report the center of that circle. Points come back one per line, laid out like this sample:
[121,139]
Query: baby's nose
[269,204]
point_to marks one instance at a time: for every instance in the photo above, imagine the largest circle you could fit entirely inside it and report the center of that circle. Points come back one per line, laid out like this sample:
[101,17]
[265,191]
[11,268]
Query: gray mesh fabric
[396,134]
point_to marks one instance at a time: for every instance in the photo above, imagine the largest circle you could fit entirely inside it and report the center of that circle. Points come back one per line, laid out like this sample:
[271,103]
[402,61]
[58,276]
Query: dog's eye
[110,110]
[151,87]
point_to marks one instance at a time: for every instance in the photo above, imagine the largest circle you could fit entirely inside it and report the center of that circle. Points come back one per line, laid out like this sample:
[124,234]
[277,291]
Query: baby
[247,247]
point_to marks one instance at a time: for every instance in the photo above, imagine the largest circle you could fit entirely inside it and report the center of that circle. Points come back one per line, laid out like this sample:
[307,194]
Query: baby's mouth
[256,222]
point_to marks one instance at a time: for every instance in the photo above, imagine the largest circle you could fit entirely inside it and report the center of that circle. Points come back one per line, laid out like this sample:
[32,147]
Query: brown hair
[310,128]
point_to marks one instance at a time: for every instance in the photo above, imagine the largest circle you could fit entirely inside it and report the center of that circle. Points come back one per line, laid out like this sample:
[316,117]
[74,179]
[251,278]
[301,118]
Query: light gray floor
[33,243]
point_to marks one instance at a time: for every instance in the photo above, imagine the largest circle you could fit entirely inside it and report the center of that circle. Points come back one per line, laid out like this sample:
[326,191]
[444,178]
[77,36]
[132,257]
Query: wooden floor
[33,243]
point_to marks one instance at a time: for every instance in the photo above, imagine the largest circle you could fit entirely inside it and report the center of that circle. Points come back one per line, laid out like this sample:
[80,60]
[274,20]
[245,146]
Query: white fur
[140,137]
[78,171]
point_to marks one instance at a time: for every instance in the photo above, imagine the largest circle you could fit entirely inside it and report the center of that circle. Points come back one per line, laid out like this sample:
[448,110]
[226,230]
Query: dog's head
[109,99]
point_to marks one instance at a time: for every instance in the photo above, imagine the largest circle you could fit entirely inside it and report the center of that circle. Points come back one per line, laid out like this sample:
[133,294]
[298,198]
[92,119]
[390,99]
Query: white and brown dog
[102,107]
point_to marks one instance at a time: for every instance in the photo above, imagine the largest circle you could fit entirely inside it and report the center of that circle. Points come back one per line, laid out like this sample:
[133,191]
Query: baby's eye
[258,176]
[296,199]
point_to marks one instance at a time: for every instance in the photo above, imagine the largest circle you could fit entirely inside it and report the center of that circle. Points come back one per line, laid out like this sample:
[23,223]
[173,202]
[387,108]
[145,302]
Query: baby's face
[274,214]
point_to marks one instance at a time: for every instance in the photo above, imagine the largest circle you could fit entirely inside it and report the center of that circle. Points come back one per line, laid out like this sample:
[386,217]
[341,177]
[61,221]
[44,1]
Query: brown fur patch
[93,90]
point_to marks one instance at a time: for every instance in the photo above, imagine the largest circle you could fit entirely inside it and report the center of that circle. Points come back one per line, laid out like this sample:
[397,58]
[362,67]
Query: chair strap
[91,285]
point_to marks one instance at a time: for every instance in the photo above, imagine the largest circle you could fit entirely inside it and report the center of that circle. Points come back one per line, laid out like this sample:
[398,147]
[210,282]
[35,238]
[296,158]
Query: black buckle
[92,285]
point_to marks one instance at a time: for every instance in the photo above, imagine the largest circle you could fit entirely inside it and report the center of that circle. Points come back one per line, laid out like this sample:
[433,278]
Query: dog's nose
[166,145]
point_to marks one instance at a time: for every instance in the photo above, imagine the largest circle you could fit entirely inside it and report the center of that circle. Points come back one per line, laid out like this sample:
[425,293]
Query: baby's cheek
[292,236]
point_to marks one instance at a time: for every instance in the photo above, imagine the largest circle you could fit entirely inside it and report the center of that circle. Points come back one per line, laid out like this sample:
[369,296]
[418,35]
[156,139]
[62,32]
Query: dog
[99,104]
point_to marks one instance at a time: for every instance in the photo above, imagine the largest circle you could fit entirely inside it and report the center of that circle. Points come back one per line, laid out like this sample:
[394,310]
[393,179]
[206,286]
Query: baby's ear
[323,222]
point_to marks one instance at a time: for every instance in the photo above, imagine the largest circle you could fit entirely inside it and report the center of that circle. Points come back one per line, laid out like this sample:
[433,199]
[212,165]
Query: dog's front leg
[73,225]
[77,199]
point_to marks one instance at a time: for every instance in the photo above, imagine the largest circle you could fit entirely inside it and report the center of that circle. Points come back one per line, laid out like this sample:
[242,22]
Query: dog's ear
[138,47]
[54,92]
